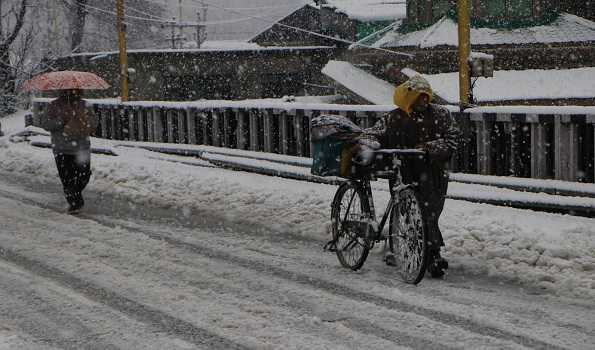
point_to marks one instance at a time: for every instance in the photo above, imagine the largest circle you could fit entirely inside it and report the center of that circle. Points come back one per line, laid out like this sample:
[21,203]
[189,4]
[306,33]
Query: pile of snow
[504,86]
[554,252]
[360,82]
[567,28]
[13,123]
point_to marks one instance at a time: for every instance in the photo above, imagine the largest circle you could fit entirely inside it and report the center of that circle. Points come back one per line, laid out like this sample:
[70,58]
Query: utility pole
[464,52]
[1,30]
[180,32]
[201,30]
[123,56]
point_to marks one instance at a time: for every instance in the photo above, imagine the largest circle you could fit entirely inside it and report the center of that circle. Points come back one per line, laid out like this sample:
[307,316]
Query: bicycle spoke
[409,238]
[349,212]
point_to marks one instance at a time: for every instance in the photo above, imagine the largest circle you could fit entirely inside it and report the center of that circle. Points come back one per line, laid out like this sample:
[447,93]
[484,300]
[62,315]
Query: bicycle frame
[378,227]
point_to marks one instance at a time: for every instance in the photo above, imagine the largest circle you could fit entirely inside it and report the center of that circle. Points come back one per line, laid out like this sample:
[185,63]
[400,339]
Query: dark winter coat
[71,123]
[435,131]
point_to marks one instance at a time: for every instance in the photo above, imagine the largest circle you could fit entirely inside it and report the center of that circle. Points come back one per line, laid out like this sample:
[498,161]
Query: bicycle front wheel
[350,217]
[407,237]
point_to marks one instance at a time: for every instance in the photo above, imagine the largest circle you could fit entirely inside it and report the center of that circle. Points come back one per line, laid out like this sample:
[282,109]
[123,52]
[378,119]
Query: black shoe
[389,259]
[437,265]
[72,210]
[75,205]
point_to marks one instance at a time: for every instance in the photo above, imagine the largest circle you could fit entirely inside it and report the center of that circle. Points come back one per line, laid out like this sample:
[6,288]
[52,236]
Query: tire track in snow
[260,267]
[144,313]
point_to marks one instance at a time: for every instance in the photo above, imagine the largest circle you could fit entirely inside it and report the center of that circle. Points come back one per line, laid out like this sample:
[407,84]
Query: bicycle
[354,226]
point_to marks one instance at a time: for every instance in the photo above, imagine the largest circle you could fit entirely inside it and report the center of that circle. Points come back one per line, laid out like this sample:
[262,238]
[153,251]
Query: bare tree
[12,21]
[85,15]
[77,26]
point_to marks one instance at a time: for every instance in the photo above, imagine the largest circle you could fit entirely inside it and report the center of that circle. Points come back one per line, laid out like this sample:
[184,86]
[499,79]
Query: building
[243,71]
[332,22]
[520,34]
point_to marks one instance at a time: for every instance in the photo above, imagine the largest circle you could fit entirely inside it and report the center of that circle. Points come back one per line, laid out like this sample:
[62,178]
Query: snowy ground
[238,257]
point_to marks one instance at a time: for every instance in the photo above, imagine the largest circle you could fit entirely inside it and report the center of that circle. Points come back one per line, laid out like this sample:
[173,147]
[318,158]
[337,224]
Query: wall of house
[307,18]
[506,57]
[582,8]
[195,75]
[492,13]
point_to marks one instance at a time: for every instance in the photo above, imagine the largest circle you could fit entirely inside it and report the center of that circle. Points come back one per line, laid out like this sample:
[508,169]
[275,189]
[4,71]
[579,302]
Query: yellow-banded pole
[464,51]
[123,56]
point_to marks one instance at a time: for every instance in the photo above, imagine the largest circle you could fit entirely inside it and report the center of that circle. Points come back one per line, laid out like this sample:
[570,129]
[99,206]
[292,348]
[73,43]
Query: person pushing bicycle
[418,123]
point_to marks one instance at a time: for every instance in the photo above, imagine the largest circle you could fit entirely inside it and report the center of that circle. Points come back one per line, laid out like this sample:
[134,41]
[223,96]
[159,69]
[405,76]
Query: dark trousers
[433,184]
[74,171]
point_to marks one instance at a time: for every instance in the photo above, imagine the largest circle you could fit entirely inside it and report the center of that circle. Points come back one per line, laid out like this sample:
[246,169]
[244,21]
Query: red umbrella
[66,80]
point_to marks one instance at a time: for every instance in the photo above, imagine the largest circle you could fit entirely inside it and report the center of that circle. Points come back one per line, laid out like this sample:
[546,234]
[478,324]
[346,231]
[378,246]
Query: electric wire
[345,41]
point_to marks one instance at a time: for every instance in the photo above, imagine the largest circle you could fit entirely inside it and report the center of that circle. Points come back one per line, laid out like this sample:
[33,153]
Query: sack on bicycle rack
[332,138]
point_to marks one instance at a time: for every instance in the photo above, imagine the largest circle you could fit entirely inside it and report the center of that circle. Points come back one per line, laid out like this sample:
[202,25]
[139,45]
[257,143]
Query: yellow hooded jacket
[407,93]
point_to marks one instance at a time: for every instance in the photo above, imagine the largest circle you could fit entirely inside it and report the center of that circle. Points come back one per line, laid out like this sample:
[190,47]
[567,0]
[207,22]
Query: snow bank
[554,252]
[360,82]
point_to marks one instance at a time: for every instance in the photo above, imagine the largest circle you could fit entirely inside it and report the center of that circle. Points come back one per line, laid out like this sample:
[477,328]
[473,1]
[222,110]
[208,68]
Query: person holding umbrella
[71,123]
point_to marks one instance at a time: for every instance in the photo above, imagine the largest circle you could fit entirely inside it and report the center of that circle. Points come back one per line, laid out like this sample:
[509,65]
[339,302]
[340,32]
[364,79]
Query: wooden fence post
[104,122]
[298,129]
[283,133]
[170,126]
[566,146]
[539,144]
[157,124]
[150,125]
[227,128]
[131,114]
[216,135]
[182,136]
[484,143]
[253,129]
[191,125]
[240,130]
[140,115]
[310,114]
[267,125]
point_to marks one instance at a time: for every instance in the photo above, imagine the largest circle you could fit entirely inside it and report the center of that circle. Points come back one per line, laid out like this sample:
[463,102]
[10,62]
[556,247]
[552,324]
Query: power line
[113,13]
[168,21]
[128,7]
[318,34]
[232,8]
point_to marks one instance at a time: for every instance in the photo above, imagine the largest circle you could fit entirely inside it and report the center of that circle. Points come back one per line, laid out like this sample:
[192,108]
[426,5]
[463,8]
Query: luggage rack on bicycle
[354,225]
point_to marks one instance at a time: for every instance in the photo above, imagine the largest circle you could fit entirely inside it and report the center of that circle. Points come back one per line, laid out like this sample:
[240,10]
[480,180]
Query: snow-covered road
[175,256]
[132,273]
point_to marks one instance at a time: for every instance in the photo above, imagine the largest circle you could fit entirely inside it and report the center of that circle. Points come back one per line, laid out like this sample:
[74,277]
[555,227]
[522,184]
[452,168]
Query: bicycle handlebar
[401,151]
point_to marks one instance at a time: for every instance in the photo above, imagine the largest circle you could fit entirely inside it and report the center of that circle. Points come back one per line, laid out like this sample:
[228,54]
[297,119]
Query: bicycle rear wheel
[407,237]
[350,217]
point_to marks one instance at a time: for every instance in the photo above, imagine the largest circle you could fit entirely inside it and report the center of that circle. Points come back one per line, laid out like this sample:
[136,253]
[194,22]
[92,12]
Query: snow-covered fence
[538,142]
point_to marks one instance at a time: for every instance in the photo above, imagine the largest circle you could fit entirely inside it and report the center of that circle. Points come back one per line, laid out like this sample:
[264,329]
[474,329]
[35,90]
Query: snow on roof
[228,44]
[567,28]
[370,10]
[241,46]
[360,82]
[530,84]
